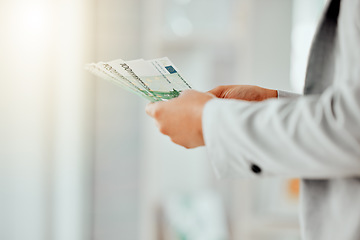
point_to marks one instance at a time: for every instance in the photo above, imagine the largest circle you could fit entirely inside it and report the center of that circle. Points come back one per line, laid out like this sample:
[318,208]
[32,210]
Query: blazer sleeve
[285,94]
[312,136]
[308,136]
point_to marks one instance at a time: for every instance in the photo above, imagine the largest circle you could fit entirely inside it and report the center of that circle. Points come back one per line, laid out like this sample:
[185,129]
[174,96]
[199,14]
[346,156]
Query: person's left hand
[181,118]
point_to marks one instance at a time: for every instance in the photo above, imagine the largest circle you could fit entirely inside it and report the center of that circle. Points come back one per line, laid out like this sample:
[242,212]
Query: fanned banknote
[155,80]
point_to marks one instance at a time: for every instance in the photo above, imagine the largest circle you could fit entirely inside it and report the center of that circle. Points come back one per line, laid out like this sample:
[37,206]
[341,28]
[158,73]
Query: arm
[313,137]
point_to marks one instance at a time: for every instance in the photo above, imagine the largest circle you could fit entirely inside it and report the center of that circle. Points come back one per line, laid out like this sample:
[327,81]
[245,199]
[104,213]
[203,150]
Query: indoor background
[80,159]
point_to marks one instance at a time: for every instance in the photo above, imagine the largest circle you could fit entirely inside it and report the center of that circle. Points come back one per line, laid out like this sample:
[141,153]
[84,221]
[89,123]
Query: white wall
[117,129]
[44,141]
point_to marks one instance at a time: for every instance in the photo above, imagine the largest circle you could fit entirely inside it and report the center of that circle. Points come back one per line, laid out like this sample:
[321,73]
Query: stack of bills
[155,80]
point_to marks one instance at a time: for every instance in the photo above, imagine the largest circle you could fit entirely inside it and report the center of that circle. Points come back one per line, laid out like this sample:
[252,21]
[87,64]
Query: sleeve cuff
[216,142]
[219,166]
[285,94]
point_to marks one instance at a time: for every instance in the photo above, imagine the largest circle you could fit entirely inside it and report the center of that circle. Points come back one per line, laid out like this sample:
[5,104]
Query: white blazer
[314,137]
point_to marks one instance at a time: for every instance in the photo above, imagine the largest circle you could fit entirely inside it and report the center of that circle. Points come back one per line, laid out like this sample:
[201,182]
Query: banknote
[155,79]
[170,72]
[120,77]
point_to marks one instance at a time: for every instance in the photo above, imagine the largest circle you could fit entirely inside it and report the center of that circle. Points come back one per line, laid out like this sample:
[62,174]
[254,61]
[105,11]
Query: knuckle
[163,130]
[157,113]
[176,141]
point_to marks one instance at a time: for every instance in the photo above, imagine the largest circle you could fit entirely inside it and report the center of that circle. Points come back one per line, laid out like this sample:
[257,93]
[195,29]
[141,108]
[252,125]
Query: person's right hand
[244,92]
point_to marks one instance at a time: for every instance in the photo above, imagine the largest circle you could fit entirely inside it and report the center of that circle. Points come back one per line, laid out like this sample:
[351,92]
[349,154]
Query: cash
[155,80]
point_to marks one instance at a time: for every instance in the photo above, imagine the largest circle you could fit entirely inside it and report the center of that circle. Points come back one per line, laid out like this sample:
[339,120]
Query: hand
[244,92]
[181,118]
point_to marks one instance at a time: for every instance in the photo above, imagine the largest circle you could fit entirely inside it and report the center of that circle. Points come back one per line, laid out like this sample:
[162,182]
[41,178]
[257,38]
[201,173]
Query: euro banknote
[155,80]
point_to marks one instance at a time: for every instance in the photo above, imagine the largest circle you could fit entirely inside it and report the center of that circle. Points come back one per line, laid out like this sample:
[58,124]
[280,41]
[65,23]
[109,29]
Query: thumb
[153,108]
[150,109]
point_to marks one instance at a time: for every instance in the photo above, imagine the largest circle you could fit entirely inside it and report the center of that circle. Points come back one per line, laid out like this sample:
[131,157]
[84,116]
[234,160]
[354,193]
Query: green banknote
[154,80]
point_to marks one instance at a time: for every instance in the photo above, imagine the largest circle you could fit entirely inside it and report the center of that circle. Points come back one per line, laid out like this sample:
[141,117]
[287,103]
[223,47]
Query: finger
[178,142]
[218,91]
[150,109]
[182,143]
[154,109]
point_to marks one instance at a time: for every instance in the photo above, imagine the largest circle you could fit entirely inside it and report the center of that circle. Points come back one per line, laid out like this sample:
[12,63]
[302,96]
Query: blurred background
[79,158]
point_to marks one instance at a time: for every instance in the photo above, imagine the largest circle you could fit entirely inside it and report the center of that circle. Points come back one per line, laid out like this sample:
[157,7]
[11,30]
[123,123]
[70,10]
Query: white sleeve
[285,94]
[310,136]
